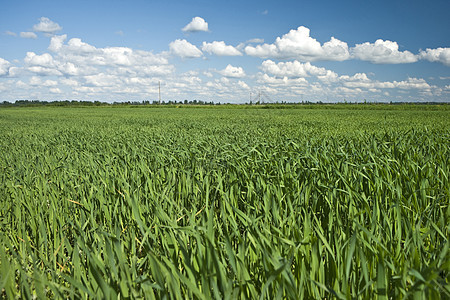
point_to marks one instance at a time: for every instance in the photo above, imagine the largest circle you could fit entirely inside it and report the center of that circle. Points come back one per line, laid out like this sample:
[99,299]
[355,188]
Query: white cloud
[382,52]
[255,41]
[57,42]
[233,72]
[90,71]
[47,26]
[293,76]
[68,68]
[118,55]
[329,77]
[441,55]
[28,35]
[10,33]
[298,44]
[36,81]
[243,85]
[4,67]
[80,58]
[208,74]
[335,49]
[80,70]
[358,77]
[15,71]
[44,60]
[263,51]
[79,47]
[223,88]
[292,69]
[283,81]
[69,82]
[360,80]
[184,49]
[44,71]
[3,87]
[241,46]
[50,83]
[220,49]
[197,24]
[102,80]
[412,83]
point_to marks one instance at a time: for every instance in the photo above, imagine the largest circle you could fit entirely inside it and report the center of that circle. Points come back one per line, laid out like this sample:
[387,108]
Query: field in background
[225,202]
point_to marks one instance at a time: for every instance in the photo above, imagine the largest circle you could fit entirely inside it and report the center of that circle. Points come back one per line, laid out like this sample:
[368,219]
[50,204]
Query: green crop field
[315,202]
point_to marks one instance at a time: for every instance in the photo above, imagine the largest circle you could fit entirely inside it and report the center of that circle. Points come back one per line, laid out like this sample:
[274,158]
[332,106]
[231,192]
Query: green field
[314,202]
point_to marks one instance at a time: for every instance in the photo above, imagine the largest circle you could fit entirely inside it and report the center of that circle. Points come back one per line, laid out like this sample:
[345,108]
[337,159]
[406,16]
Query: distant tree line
[102,103]
[192,102]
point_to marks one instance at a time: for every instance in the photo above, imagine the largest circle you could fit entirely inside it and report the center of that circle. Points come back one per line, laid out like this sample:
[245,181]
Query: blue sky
[225,51]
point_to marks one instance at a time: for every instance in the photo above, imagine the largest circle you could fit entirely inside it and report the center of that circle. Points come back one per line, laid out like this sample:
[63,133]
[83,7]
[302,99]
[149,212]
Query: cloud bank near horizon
[72,68]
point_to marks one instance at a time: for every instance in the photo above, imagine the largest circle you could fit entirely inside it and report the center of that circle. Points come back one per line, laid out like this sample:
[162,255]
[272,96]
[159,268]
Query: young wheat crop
[224,203]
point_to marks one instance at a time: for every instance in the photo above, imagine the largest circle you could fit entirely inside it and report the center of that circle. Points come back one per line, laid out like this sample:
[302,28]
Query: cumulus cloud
[293,69]
[36,81]
[28,35]
[76,45]
[208,74]
[69,82]
[298,44]
[57,42]
[293,74]
[81,70]
[382,52]
[197,24]
[241,46]
[44,60]
[184,49]
[47,26]
[80,58]
[335,49]
[76,58]
[413,83]
[289,72]
[50,83]
[283,81]
[441,55]
[223,88]
[243,85]
[220,49]
[360,80]
[102,80]
[41,64]
[4,67]
[44,71]
[232,72]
